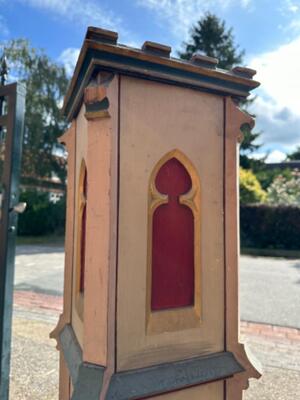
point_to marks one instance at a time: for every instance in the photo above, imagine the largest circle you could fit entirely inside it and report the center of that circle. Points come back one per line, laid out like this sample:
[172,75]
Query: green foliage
[266,226]
[210,36]
[275,224]
[249,145]
[267,175]
[46,84]
[41,217]
[295,155]
[250,189]
[284,190]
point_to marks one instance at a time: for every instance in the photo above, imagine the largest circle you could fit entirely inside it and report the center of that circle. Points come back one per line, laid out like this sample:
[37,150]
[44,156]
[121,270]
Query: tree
[295,155]
[46,84]
[211,37]
[248,146]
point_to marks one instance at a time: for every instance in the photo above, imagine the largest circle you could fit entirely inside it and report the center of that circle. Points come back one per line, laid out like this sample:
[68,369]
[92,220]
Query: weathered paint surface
[132,109]
[155,119]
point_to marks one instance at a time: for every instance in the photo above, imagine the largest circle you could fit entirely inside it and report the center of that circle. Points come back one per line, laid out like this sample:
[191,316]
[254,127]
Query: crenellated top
[101,51]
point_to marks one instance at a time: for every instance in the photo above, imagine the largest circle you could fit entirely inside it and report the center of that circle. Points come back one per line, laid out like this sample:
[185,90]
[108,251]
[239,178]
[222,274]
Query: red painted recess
[172,241]
[83,237]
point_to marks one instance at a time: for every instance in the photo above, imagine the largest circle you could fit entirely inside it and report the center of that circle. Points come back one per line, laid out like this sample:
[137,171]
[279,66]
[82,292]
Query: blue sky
[269,32]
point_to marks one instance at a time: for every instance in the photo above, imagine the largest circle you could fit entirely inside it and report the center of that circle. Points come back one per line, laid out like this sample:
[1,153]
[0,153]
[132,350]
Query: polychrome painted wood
[158,312]
[101,52]
[155,119]
[145,382]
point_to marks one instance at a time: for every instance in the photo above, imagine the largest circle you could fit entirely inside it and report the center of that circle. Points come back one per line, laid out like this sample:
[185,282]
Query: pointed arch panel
[174,235]
[81,236]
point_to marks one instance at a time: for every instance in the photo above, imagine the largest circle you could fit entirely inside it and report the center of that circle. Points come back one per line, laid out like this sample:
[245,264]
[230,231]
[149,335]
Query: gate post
[12,125]
[151,271]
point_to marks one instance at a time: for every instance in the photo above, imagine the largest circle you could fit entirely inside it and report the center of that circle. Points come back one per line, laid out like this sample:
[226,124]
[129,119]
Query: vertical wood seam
[118,219]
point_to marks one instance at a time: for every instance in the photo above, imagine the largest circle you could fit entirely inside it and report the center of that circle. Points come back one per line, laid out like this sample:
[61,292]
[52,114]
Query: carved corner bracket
[96,97]
[240,382]
[235,119]
[56,331]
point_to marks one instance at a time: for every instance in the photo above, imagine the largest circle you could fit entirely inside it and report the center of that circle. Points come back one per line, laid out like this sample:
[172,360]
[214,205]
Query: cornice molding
[100,51]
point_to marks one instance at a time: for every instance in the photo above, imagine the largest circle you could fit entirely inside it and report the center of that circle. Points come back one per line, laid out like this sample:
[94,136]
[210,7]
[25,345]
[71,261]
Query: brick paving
[273,332]
[35,359]
[24,298]
[51,303]
[279,354]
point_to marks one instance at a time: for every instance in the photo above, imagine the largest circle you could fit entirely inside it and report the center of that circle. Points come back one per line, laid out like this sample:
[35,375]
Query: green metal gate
[12,107]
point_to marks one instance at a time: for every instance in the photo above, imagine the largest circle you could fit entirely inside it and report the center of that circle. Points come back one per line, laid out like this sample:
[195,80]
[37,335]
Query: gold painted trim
[79,297]
[90,115]
[185,317]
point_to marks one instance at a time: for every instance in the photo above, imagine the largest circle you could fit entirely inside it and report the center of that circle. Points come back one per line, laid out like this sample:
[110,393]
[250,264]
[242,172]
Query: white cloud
[69,58]
[276,156]
[81,12]
[277,106]
[84,13]
[246,3]
[273,156]
[280,126]
[290,11]
[291,6]
[180,15]
[278,72]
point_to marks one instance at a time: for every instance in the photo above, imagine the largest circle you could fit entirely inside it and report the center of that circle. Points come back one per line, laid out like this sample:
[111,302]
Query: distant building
[52,186]
[295,164]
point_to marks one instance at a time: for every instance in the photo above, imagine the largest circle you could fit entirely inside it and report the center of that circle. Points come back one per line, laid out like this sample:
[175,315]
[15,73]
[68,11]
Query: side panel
[81,153]
[156,119]
[101,232]
[69,139]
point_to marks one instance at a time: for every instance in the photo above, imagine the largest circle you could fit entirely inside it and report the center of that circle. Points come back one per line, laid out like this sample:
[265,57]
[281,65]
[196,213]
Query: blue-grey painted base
[168,377]
[87,378]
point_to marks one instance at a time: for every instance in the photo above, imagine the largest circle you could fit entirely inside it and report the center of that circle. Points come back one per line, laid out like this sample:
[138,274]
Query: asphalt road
[39,269]
[270,290]
[269,287]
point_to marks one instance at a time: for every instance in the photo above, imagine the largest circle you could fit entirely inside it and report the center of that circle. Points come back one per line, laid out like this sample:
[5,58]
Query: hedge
[270,227]
[41,216]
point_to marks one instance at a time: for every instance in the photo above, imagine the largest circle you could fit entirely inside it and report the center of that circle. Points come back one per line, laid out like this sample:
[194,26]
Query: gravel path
[281,370]
[270,293]
[34,374]
[34,363]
